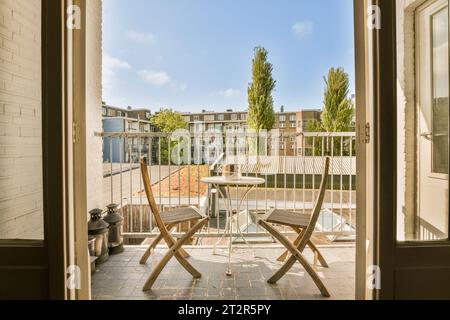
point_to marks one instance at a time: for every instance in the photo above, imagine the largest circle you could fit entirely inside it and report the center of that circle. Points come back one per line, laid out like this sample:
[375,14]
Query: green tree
[167,121]
[260,101]
[338,113]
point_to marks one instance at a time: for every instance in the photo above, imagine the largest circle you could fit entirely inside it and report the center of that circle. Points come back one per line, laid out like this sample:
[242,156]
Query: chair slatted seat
[180,215]
[288,218]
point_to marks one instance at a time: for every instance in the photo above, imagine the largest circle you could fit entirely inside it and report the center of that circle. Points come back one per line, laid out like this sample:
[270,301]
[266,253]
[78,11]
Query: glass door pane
[21,174]
[440,91]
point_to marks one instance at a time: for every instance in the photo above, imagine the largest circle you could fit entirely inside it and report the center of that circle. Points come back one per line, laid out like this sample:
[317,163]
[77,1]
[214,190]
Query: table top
[243,181]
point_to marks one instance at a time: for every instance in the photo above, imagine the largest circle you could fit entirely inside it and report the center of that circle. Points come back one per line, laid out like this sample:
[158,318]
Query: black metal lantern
[115,221]
[92,257]
[98,228]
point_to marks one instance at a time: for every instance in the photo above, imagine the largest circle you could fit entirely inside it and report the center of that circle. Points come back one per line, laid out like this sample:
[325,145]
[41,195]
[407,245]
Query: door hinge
[74,132]
[364,133]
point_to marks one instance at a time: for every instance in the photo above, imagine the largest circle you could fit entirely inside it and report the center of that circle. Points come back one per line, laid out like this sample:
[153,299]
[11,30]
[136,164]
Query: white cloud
[110,63]
[302,29]
[110,67]
[141,37]
[230,93]
[156,78]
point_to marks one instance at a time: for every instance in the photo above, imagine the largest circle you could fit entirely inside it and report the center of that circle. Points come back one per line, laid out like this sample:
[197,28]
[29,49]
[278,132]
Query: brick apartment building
[288,123]
[118,120]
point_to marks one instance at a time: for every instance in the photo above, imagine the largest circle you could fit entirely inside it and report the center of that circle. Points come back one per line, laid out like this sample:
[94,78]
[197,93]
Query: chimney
[282,109]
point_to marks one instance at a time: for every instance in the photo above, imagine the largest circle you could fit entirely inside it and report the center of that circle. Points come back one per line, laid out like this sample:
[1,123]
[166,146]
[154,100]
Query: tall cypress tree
[260,101]
[338,113]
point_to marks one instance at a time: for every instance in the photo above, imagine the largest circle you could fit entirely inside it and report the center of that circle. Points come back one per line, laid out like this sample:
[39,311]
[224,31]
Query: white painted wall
[94,156]
[406,122]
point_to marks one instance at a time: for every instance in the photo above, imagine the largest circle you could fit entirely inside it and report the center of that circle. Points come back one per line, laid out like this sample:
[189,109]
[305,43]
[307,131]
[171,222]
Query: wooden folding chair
[165,223]
[305,226]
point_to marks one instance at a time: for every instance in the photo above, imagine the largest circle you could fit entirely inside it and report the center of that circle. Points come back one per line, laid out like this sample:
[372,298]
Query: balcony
[291,182]
[122,276]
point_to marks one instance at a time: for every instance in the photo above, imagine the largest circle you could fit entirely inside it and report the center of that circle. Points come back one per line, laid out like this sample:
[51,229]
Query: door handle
[427,135]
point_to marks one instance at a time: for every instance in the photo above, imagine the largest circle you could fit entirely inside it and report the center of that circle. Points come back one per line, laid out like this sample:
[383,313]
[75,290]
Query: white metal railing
[292,169]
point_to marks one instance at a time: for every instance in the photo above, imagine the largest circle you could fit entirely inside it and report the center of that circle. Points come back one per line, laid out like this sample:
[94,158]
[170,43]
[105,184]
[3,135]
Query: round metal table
[217,182]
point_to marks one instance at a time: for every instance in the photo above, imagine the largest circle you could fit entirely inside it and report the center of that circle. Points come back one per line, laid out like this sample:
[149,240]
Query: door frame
[376,157]
[362,150]
[399,261]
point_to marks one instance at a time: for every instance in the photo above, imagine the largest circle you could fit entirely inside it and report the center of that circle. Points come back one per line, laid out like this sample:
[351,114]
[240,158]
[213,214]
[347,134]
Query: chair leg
[175,251]
[311,245]
[296,256]
[152,246]
[184,253]
[322,260]
[285,255]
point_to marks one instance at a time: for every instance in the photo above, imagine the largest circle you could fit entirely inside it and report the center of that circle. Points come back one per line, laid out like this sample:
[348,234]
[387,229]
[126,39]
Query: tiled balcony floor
[122,277]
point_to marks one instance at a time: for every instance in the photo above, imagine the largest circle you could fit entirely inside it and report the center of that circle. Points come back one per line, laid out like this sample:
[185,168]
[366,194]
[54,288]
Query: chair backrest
[151,199]
[317,207]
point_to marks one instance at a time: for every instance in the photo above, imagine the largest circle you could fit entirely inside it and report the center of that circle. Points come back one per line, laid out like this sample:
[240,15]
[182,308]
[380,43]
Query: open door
[32,191]
[43,215]
[411,141]
[365,236]
[432,110]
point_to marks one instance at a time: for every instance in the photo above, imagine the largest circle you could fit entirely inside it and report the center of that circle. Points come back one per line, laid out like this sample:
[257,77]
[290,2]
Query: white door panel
[432,101]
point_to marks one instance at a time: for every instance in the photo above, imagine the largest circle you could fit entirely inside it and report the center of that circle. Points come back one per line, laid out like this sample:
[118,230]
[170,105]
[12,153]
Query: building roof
[246,111]
[293,165]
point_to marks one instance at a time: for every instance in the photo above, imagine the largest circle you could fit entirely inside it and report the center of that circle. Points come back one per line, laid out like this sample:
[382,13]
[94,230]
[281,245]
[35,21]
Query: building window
[282,118]
[293,118]
[244,117]
[220,117]
[293,125]
[282,146]
[104,111]
[210,118]
[196,118]
[234,117]
[282,125]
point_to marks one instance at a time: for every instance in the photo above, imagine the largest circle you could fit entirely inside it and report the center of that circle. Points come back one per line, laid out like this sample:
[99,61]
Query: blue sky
[191,55]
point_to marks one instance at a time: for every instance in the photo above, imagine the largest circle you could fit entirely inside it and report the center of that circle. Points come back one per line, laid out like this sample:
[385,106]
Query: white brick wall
[94,104]
[406,116]
[21,207]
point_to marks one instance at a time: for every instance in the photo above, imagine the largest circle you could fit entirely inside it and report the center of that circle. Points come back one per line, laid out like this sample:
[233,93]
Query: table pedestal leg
[229,225]
[230,229]
[243,237]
